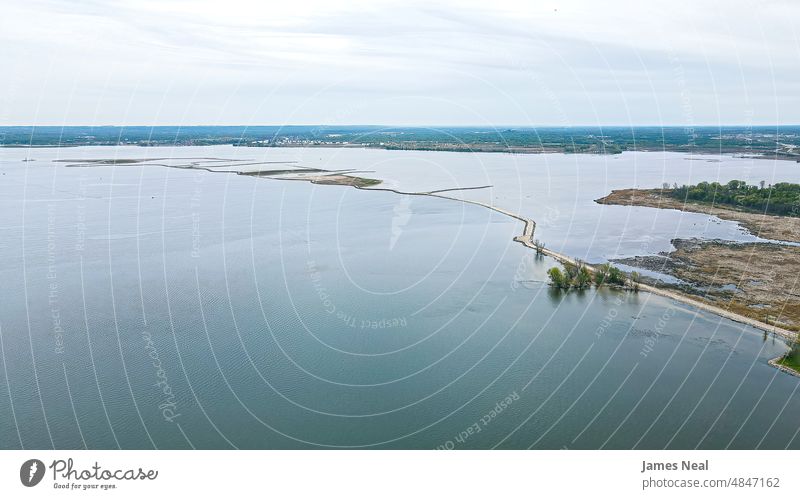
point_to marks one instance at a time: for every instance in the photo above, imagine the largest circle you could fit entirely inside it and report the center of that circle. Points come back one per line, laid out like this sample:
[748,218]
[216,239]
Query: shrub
[557,278]
[584,277]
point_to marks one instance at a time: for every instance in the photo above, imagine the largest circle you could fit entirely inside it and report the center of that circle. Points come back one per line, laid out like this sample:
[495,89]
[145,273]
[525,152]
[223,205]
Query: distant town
[775,142]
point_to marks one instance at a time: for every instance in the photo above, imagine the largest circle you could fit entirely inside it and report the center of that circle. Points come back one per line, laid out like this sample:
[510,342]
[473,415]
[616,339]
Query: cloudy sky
[498,62]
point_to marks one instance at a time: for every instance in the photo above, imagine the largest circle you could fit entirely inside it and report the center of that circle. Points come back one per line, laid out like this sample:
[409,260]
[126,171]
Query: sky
[432,63]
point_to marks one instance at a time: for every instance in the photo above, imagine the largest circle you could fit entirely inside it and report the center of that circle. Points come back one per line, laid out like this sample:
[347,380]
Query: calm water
[145,306]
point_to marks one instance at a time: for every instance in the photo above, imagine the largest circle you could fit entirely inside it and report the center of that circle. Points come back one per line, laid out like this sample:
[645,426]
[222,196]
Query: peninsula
[755,280]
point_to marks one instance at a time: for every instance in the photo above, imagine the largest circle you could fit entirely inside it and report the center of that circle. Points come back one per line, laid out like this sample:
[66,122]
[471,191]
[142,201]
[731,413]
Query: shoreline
[755,279]
[682,298]
[448,147]
[781,367]
[766,226]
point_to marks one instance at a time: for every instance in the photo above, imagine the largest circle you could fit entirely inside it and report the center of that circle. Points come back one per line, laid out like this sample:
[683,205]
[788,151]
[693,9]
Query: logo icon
[31,472]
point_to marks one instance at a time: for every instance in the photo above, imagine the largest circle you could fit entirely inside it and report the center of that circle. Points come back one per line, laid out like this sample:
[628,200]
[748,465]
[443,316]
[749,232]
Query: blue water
[145,306]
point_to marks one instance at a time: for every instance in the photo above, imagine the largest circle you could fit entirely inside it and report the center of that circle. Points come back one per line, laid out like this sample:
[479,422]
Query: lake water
[145,306]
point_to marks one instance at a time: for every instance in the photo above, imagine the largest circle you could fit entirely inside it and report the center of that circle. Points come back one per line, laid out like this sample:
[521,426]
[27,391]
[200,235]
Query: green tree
[583,278]
[571,271]
[557,278]
[616,276]
[601,274]
[780,199]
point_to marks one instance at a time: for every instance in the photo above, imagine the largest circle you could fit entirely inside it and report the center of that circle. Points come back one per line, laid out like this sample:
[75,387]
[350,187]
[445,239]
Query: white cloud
[499,62]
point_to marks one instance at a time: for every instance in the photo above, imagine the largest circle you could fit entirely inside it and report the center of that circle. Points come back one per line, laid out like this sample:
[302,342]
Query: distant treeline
[781,141]
[777,199]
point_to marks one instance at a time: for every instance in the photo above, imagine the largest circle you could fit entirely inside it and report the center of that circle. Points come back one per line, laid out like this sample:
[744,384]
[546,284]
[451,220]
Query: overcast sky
[488,63]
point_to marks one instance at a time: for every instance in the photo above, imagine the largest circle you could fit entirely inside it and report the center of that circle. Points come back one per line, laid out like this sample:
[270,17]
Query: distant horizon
[373,125]
[780,140]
